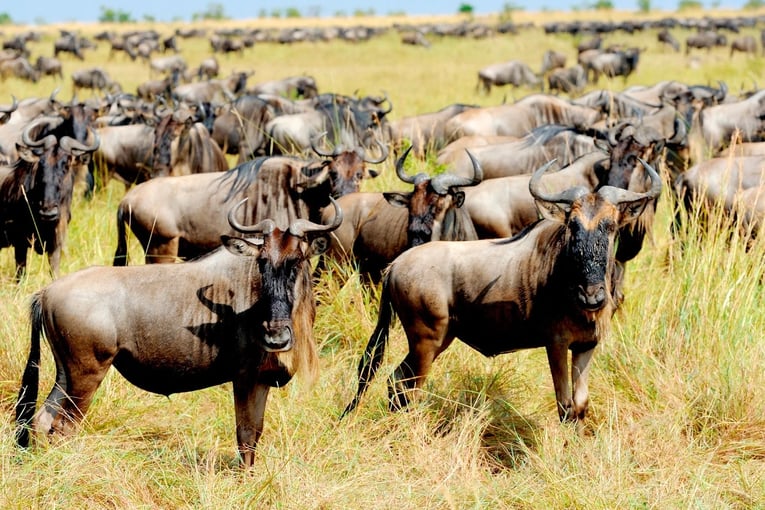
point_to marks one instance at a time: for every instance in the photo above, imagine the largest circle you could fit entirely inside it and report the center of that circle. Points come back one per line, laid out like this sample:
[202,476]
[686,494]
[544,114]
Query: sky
[53,11]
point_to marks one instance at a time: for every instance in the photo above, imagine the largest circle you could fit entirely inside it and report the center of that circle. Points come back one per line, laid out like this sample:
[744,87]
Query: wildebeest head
[283,261]
[591,222]
[431,200]
[346,167]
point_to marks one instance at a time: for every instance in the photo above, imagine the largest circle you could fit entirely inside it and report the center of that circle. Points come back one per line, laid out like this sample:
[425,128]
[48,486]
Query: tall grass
[678,390]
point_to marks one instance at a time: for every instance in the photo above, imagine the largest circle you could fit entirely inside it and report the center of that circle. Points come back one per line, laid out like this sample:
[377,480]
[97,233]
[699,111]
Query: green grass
[678,390]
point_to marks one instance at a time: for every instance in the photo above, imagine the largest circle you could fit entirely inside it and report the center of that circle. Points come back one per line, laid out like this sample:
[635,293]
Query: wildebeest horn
[301,227]
[11,108]
[52,96]
[442,183]
[564,197]
[26,135]
[315,141]
[264,227]
[721,92]
[620,195]
[400,168]
[681,131]
[615,132]
[386,99]
[68,143]
[383,151]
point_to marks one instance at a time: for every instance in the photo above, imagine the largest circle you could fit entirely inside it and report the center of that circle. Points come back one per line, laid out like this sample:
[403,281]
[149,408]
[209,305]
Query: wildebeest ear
[241,246]
[459,198]
[27,154]
[319,244]
[631,210]
[398,199]
[553,210]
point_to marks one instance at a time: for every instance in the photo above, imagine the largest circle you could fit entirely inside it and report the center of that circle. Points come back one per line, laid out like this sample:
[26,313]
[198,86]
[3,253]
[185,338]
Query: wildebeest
[379,226]
[514,72]
[665,37]
[415,38]
[20,68]
[49,66]
[210,91]
[571,80]
[551,286]
[707,39]
[180,216]
[616,63]
[552,60]
[744,44]
[243,314]
[425,132]
[520,118]
[95,79]
[68,43]
[36,192]
[292,87]
[713,126]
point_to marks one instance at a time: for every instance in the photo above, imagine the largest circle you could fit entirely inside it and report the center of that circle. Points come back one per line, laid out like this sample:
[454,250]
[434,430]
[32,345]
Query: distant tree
[276,13]
[214,11]
[644,5]
[292,12]
[683,5]
[262,13]
[362,12]
[5,18]
[508,9]
[754,4]
[465,9]
[109,15]
[149,18]
[603,5]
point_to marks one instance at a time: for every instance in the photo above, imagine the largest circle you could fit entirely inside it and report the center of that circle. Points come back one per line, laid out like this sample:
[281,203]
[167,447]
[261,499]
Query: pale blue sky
[51,11]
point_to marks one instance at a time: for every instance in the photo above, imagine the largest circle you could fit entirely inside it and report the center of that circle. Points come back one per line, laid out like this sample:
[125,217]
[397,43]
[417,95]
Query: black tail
[27,399]
[373,354]
[120,254]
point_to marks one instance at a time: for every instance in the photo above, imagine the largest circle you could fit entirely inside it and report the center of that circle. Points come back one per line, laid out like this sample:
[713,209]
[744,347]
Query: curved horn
[52,96]
[201,113]
[301,227]
[721,92]
[620,195]
[315,140]
[386,99]
[564,197]
[442,183]
[264,227]
[11,108]
[681,131]
[26,135]
[383,156]
[615,132]
[400,167]
[68,143]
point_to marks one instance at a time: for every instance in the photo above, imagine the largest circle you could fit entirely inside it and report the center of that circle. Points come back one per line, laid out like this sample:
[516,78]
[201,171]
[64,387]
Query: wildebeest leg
[250,404]
[53,402]
[557,357]
[83,378]
[20,253]
[580,370]
[428,342]
[54,261]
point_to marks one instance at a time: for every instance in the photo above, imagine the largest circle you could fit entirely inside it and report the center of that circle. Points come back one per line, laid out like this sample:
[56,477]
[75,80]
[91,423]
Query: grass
[678,391]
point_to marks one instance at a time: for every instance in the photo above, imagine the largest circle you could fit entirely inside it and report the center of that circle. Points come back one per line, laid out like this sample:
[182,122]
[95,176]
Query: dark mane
[520,235]
[243,176]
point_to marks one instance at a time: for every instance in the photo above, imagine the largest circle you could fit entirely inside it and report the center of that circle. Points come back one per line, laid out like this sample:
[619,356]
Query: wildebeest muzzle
[277,335]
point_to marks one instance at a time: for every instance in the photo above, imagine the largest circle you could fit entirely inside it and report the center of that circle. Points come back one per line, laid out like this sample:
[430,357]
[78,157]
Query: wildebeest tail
[120,254]
[27,399]
[375,349]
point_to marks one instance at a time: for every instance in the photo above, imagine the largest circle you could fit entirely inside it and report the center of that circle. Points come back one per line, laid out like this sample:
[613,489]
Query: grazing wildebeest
[68,43]
[36,192]
[666,38]
[379,226]
[95,79]
[593,43]
[714,125]
[19,67]
[552,60]
[415,38]
[552,286]
[243,314]
[49,66]
[613,64]
[211,91]
[514,72]
[744,44]
[570,80]
[707,39]
[180,216]
[734,184]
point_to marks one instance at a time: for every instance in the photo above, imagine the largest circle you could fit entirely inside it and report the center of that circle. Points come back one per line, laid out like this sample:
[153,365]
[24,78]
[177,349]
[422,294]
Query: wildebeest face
[427,209]
[280,258]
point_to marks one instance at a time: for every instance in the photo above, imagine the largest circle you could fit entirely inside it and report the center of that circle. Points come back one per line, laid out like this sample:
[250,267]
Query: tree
[465,9]
[754,4]
[214,11]
[644,5]
[109,15]
[603,5]
[508,9]
[683,5]
[5,18]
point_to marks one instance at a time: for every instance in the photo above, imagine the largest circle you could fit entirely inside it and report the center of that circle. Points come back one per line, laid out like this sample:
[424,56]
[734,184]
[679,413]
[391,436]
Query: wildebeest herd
[558,192]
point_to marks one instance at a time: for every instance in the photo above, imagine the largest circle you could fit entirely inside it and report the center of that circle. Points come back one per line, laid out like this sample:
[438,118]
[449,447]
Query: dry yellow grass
[678,391]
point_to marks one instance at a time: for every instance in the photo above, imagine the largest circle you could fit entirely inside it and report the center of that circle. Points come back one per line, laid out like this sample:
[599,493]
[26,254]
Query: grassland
[678,391]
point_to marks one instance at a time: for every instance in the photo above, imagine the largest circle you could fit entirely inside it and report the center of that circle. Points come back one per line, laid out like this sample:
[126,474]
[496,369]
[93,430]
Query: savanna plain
[677,391]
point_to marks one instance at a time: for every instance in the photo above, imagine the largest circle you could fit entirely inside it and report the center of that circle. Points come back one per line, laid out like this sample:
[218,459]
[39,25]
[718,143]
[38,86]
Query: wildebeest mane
[243,176]
[519,235]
